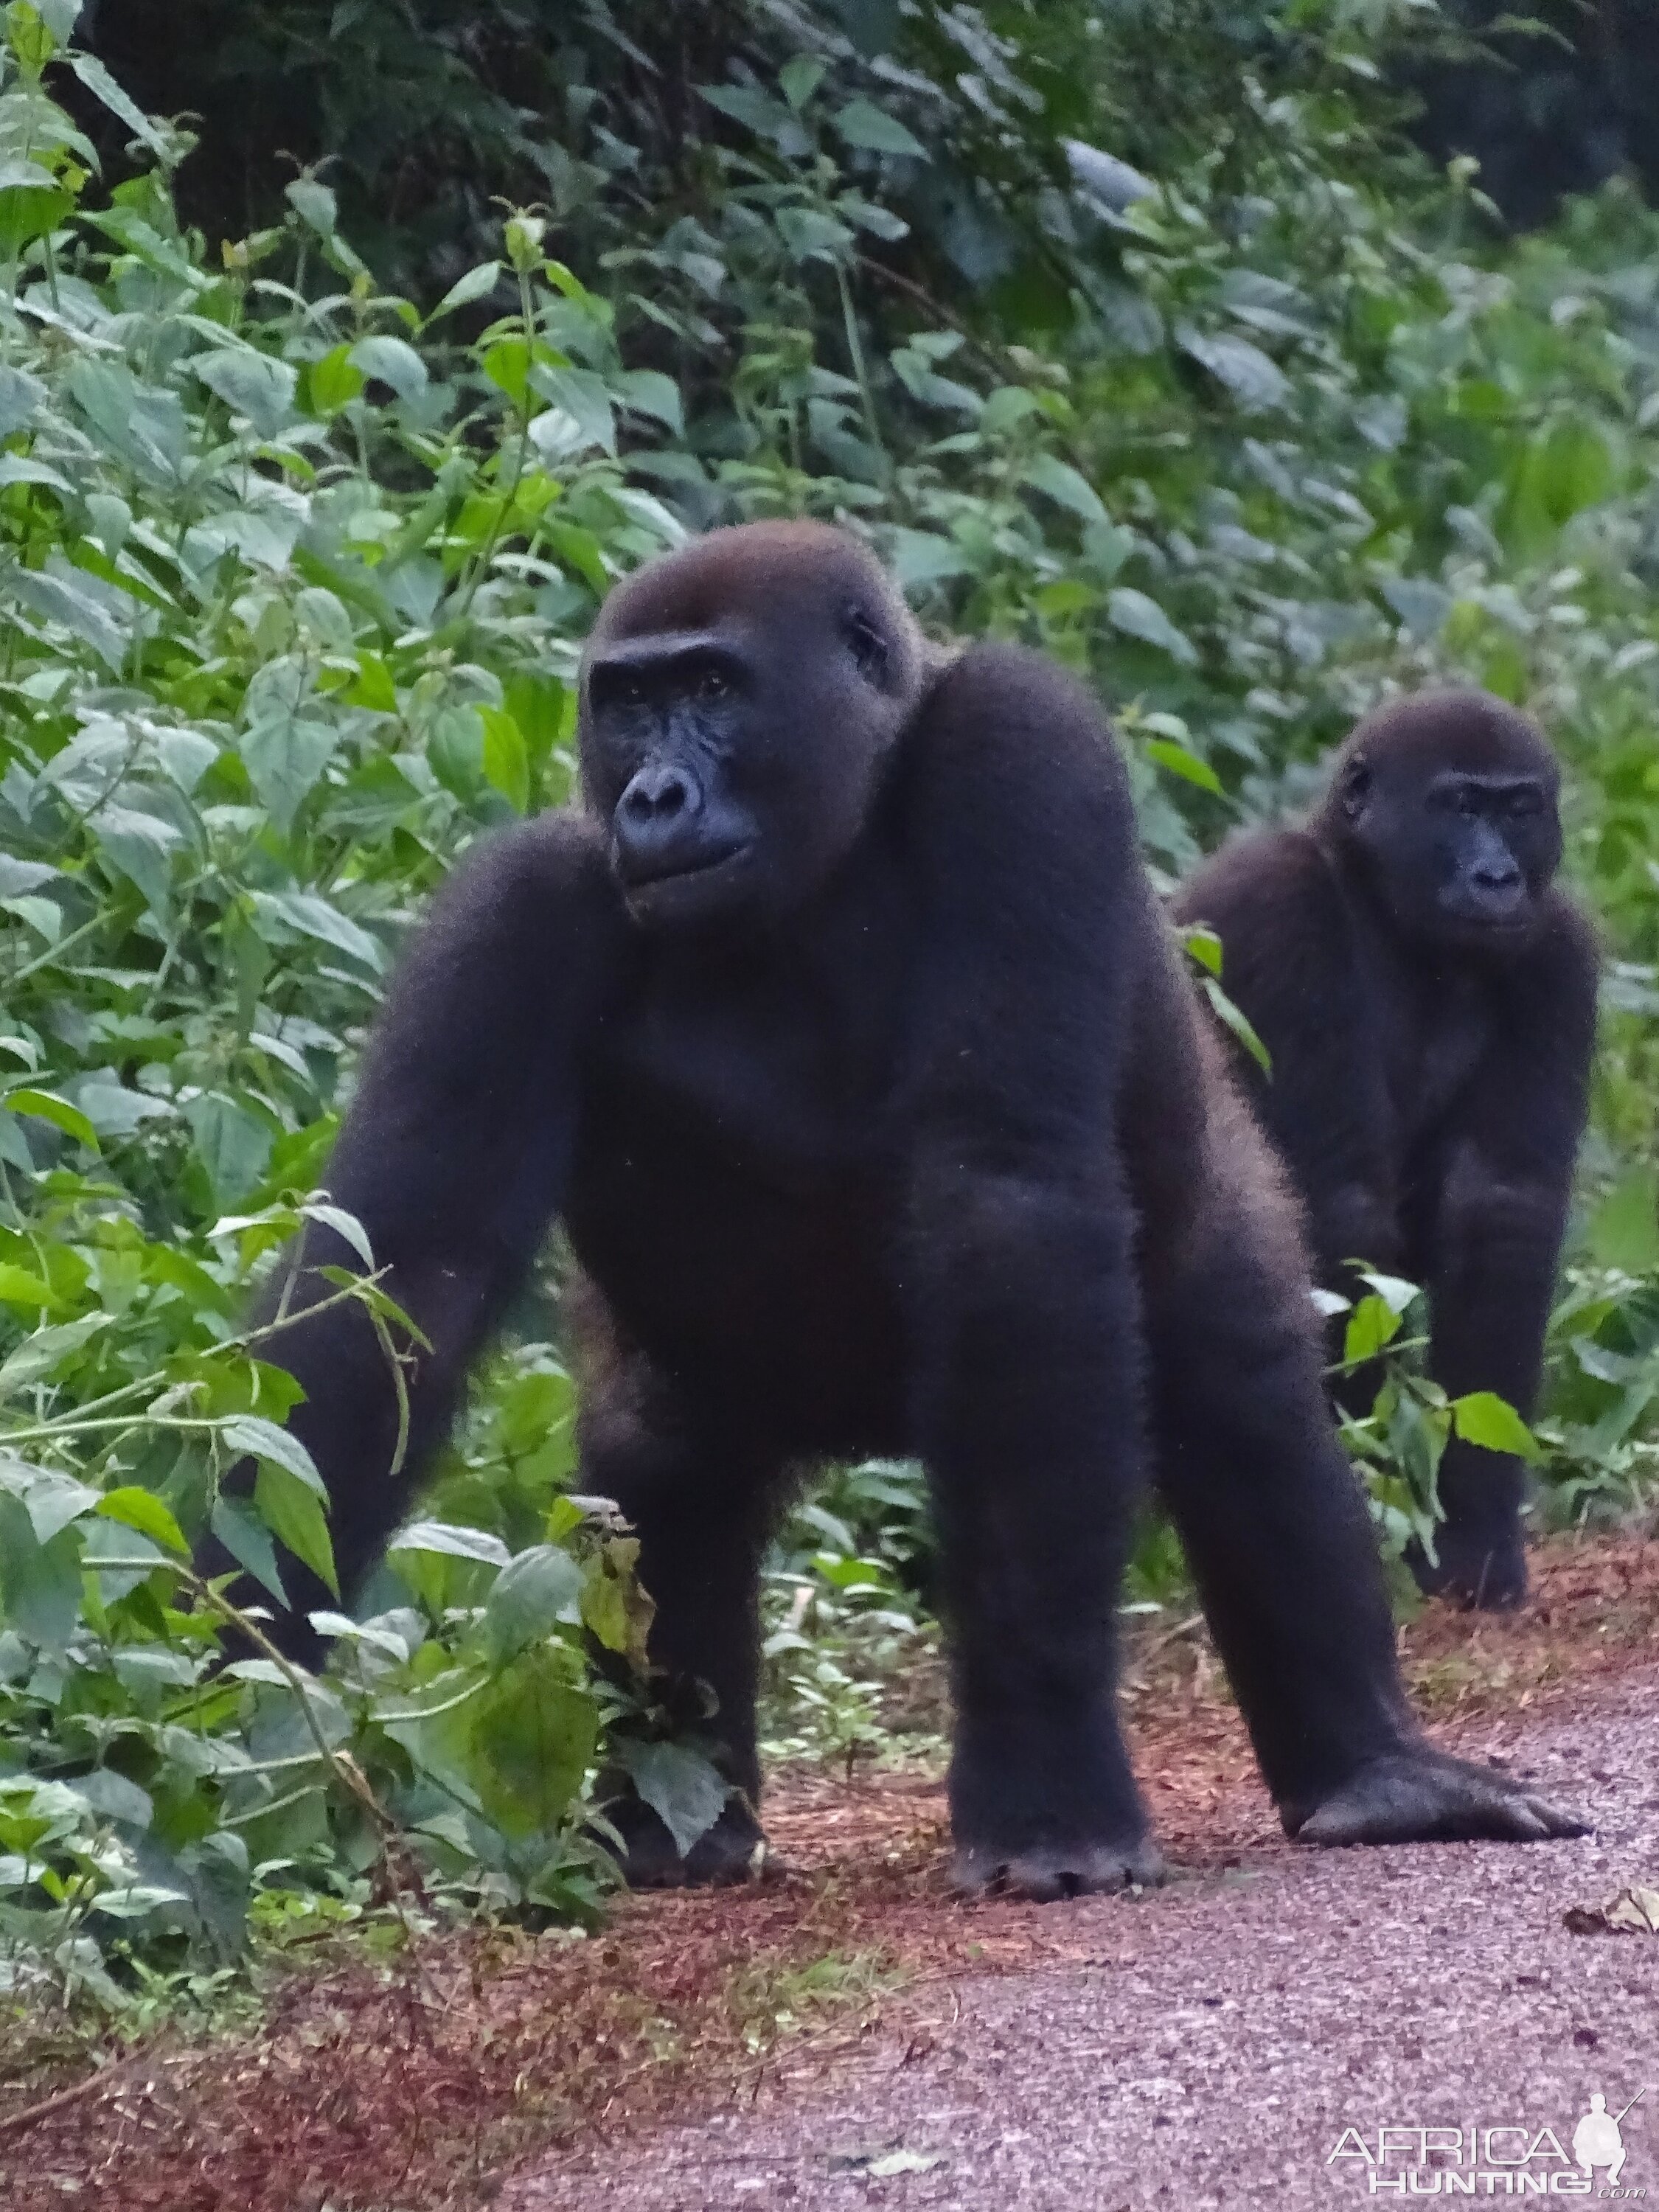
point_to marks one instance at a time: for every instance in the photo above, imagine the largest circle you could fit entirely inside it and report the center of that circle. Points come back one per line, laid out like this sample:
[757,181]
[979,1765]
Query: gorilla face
[732,756]
[1450,802]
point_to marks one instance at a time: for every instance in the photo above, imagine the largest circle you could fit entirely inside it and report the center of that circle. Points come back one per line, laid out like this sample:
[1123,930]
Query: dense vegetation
[295,571]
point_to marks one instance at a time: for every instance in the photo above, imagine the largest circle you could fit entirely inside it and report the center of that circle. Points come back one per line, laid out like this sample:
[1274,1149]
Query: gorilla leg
[1280,1544]
[702,1513]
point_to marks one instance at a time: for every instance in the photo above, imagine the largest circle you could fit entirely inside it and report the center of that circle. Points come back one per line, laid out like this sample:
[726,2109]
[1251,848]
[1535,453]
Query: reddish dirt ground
[431,2084]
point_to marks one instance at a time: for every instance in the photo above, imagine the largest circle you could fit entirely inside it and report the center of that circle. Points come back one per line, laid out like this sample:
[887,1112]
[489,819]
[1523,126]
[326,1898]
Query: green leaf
[798,80]
[452,1542]
[254,384]
[308,915]
[248,1540]
[683,1788]
[1623,1230]
[1061,481]
[1254,381]
[263,1440]
[1483,1417]
[648,391]
[18,1287]
[873,130]
[1233,1017]
[334,382]
[1136,616]
[46,1349]
[1188,765]
[531,1595]
[391,361]
[46,1106]
[478,284]
[39,1584]
[143,1510]
[505,761]
[533,1735]
[1371,1325]
[290,1510]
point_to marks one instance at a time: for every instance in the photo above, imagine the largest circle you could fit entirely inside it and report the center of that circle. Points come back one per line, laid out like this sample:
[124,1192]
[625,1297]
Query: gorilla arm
[453,1157]
[1018,1267]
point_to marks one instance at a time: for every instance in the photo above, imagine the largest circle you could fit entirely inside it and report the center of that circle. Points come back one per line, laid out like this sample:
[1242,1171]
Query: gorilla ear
[1353,786]
[869,645]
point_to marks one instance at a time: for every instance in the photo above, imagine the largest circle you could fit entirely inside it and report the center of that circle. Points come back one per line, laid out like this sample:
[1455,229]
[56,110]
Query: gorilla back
[840,1028]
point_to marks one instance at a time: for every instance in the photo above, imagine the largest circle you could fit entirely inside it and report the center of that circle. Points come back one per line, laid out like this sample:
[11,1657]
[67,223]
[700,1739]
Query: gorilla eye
[1469,804]
[869,645]
[1526,802]
[712,683]
[630,691]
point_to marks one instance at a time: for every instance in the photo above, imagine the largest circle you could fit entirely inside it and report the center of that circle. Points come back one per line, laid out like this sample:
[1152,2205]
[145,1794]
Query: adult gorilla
[841,1030]
[1428,999]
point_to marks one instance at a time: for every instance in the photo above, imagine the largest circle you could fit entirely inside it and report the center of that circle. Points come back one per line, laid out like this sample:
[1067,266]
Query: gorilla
[839,1029]
[1427,996]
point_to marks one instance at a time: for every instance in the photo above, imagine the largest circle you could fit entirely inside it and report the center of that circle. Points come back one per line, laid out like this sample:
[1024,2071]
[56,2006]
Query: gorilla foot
[1424,1797]
[1045,1872]
[1474,1571]
[732,1851]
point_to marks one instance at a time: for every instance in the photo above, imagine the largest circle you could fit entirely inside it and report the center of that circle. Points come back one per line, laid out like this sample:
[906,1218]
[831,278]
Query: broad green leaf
[1371,1325]
[290,1510]
[533,1735]
[143,1510]
[1483,1417]
[506,762]
[20,1287]
[681,1786]
[47,1349]
[252,384]
[533,1593]
[1069,486]
[46,1106]
[1188,765]
[456,1543]
[478,284]
[263,1440]
[1623,1230]
[874,131]
[1137,616]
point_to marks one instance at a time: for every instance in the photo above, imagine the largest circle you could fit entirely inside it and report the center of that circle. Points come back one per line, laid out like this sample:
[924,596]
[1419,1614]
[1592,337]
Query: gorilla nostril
[658,796]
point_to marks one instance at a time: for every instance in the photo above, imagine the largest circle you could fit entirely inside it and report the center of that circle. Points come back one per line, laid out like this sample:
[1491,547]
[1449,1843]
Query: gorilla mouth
[639,874]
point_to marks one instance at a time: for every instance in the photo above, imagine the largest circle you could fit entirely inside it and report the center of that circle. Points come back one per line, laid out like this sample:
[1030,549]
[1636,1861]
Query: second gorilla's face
[1451,801]
[739,699]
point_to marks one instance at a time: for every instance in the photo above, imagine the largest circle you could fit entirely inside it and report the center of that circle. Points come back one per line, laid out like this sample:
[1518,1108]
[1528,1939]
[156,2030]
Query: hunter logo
[1511,2160]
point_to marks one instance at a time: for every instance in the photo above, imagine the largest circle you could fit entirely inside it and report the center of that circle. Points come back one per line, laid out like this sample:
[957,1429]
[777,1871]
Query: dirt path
[770,2046]
[1227,2032]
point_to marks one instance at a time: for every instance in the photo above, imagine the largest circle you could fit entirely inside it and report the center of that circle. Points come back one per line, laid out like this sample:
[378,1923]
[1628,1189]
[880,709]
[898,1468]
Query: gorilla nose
[657,797]
[658,824]
[1502,875]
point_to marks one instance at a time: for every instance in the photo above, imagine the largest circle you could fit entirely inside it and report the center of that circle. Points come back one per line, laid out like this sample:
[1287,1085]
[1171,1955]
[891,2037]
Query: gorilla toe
[1047,1872]
[1424,1797]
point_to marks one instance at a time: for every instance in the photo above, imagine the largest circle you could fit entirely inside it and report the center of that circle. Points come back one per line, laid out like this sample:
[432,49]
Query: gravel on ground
[1241,2037]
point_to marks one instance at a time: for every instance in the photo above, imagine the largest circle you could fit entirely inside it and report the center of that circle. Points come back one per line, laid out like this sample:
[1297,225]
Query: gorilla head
[738,701]
[1447,802]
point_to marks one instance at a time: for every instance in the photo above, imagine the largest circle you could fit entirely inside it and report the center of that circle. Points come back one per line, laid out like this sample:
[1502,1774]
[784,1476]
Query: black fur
[842,1031]
[1428,997]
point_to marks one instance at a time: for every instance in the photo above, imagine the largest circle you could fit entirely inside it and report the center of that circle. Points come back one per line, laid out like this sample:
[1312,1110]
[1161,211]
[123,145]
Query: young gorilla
[839,1029]
[1428,999]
